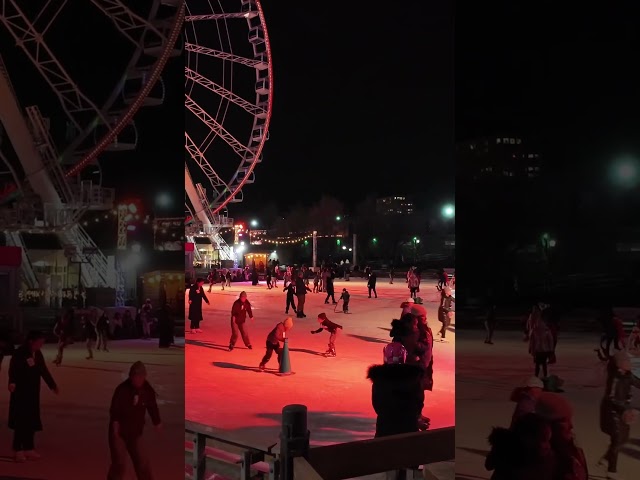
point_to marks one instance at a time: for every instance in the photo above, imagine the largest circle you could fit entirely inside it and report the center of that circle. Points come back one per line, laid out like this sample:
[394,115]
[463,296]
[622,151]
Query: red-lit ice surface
[73,443]
[486,375]
[226,390]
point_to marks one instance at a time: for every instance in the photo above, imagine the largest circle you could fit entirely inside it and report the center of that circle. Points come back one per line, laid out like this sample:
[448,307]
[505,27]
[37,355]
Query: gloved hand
[313,331]
[630,416]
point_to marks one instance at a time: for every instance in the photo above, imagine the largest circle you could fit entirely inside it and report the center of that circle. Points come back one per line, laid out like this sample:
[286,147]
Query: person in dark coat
[371,284]
[332,328]
[329,288]
[291,292]
[301,293]
[64,330]
[26,370]
[196,296]
[523,452]
[102,328]
[90,334]
[616,414]
[132,400]
[490,324]
[239,311]
[275,337]
[165,327]
[397,396]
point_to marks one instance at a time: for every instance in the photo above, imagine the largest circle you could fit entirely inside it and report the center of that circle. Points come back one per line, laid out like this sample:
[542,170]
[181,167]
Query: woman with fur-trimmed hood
[397,395]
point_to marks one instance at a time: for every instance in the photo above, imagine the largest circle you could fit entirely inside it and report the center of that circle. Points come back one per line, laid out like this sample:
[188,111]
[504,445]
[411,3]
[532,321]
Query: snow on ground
[225,389]
[486,375]
[73,443]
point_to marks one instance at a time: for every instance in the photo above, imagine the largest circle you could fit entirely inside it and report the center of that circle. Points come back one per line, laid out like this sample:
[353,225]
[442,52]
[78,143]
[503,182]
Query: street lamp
[338,218]
[448,211]
[254,223]
[163,200]
[626,172]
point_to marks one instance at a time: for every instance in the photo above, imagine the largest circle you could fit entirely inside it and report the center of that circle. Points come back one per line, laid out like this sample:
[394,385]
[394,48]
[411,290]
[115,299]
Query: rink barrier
[294,459]
[236,455]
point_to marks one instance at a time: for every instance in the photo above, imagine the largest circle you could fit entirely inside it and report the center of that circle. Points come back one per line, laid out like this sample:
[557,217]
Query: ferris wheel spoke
[259,64]
[31,40]
[223,92]
[216,16]
[197,156]
[132,26]
[238,147]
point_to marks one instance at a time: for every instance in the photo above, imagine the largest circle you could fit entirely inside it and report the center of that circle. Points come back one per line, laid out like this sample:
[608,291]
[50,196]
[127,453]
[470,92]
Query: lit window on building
[512,141]
[518,141]
[498,140]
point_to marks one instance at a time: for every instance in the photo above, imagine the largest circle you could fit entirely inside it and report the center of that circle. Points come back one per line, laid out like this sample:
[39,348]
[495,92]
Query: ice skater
[146,316]
[332,328]
[63,329]
[345,297]
[291,293]
[616,413]
[239,311]
[196,296]
[131,401]
[371,284]
[275,337]
[102,329]
[490,324]
[445,311]
[90,335]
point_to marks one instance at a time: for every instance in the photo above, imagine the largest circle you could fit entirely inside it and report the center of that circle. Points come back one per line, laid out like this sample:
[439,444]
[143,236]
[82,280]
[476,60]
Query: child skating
[345,296]
[291,293]
[274,338]
[332,328]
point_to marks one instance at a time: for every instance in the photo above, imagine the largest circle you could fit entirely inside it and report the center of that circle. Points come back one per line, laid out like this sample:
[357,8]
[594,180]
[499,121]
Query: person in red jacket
[239,311]
[332,328]
[275,337]
[131,401]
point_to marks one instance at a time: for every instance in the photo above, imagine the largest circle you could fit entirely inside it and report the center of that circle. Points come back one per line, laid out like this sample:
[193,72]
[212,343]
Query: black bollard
[294,438]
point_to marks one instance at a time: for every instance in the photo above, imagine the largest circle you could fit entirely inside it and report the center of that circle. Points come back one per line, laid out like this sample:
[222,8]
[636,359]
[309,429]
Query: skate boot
[331,352]
[262,367]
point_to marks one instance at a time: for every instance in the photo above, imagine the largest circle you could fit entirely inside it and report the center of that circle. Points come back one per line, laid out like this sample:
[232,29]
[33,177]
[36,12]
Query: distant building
[394,206]
[504,157]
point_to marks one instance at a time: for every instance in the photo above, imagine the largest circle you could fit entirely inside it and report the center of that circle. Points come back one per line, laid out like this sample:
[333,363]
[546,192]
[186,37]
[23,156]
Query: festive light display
[292,240]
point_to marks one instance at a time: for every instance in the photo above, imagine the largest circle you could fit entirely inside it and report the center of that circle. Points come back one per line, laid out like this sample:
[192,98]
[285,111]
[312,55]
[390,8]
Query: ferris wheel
[58,114]
[228,99]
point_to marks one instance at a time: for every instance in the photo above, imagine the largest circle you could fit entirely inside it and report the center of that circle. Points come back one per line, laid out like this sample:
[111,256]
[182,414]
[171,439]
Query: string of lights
[292,240]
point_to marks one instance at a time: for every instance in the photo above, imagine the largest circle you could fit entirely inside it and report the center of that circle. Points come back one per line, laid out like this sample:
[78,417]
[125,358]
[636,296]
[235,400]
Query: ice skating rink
[227,391]
[74,443]
[486,375]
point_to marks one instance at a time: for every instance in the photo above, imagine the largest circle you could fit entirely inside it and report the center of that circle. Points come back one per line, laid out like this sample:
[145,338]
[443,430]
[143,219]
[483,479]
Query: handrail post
[199,456]
[294,438]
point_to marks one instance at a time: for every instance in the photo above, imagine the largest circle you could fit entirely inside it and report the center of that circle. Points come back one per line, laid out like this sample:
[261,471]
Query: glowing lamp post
[626,173]
[448,211]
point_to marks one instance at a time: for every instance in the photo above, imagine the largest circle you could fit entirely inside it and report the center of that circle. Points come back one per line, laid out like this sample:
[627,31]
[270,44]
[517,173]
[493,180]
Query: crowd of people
[540,441]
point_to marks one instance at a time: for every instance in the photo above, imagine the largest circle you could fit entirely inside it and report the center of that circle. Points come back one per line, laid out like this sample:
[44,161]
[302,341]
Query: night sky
[363,103]
[95,55]
[565,80]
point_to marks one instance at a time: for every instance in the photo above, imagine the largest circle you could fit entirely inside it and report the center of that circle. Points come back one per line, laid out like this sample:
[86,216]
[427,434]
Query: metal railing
[294,459]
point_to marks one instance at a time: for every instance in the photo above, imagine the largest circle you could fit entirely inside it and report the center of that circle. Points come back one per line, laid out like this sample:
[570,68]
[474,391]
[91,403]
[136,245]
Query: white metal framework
[46,149]
[228,99]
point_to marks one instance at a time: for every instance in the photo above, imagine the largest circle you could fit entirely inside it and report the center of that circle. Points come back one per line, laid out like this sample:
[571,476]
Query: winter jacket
[617,397]
[525,403]
[511,458]
[129,407]
[372,281]
[397,397]
[240,310]
[276,335]
[329,326]
[290,289]
[541,339]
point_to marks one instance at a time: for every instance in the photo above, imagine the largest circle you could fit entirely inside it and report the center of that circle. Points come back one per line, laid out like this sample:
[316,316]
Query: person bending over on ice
[332,328]
[345,297]
[239,311]
[396,393]
[26,368]
[274,338]
[616,414]
[131,401]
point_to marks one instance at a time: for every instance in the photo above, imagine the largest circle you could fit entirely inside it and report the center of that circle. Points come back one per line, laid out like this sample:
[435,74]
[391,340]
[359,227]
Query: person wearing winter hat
[406,306]
[332,328]
[275,337]
[131,401]
[239,311]
[396,393]
[571,461]
[616,414]
[445,311]
[526,398]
